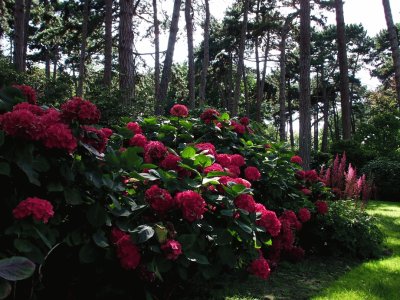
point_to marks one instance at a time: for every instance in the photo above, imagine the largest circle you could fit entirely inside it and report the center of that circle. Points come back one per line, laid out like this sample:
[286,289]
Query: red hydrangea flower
[39,209]
[242,182]
[304,215]
[127,252]
[213,168]
[210,148]
[107,132]
[22,123]
[50,117]
[238,128]
[209,115]
[252,174]
[322,207]
[36,110]
[59,136]
[296,160]
[171,162]
[223,159]
[267,146]
[28,92]
[159,199]
[291,217]
[306,191]
[138,140]
[246,202]
[245,121]
[134,127]
[234,171]
[260,268]
[286,235]
[237,160]
[95,138]
[268,220]
[179,110]
[192,204]
[116,235]
[154,150]
[80,110]
[300,175]
[311,175]
[172,249]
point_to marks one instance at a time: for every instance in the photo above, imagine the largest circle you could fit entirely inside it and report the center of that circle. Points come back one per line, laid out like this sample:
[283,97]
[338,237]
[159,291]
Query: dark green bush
[344,230]
[385,174]
[357,155]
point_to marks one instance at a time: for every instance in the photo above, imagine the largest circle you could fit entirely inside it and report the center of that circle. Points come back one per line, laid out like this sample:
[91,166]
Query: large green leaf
[5,288]
[188,153]
[187,241]
[96,215]
[16,268]
[4,169]
[197,257]
[88,253]
[142,234]
[72,196]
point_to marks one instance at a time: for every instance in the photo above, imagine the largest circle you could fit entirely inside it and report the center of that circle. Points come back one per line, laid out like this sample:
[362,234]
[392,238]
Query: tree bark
[344,70]
[282,87]
[324,144]
[240,65]
[27,16]
[19,26]
[189,31]
[166,74]
[107,77]
[55,62]
[206,56]
[260,94]
[394,45]
[125,51]
[82,56]
[304,84]
[246,93]
[157,49]
[291,134]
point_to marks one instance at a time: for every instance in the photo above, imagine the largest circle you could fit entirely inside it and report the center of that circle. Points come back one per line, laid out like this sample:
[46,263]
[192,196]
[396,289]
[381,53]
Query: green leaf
[226,256]
[227,212]
[187,241]
[167,128]
[32,175]
[150,121]
[72,196]
[43,238]
[96,215]
[142,234]
[203,161]
[213,181]
[197,257]
[55,187]
[225,116]
[4,169]
[23,245]
[100,239]
[5,288]
[131,159]
[88,253]
[188,153]
[244,227]
[16,268]
[2,137]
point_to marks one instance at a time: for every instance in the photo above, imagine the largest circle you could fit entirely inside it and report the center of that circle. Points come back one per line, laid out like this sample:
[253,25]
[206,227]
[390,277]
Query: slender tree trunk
[282,87]
[27,16]
[394,45]
[206,56]
[256,48]
[229,102]
[260,94]
[344,70]
[47,61]
[324,145]
[316,111]
[82,56]
[240,65]
[336,118]
[246,93]
[108,43]
[19,26]
[189,31]
[157,49]
[125,51]
[47,64]
[304,84]
[290,116]
[166,74]
[55,62]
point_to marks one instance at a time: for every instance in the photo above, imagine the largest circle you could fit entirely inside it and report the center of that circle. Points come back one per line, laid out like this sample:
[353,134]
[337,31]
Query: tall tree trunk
[166,73]
[394,45]
[125,51]
[206,56]
[189,31]
[82,56]
[240,65]
[229,99]
[344,70]
[304,84]
[324,144]
[47,64]
[47,53]
[27,17]
[55,62]
[260,94]
[282,87]
[246,93]
[19,26]
[291,134]
[316,111]
[157,49]
[108,43]
[256,48]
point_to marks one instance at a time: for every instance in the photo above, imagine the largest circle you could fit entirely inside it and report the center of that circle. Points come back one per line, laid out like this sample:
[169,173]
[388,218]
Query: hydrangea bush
[147,205]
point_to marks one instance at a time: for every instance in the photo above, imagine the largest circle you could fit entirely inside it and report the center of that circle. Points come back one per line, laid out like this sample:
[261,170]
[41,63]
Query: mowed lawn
[322,278]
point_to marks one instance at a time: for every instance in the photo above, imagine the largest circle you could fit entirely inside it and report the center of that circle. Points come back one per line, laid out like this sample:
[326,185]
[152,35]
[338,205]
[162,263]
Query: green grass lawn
[331,278]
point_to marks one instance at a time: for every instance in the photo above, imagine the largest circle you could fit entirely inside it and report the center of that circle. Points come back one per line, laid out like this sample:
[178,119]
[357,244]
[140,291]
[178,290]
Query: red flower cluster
[291,217]
[246,202]
[159,199]
[171,162]
[210,148]
[134,127]
[225,179]
[304,215]
[107,132]
[172,249]
[60,136]
[41,210]
[260,268]
[83,111]
[245,121]
[154,151]
[268,220]
[296,160]
[22,123]
[209,115]
[179,110]
[322,207]
[214,168]
[127,252]
[238,128]
[94,137]
[237,160]
[252,174]
[306,191]
[138,140]
[28,92]
[192,204]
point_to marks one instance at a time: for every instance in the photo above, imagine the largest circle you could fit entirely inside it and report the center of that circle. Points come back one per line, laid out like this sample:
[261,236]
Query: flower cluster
[39,209]
[192,204]
[172,249]
[260,268]
[28,92]
[127,252]
[80,110]
[159,199]
[179,110]
[322,207]
[209,115]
